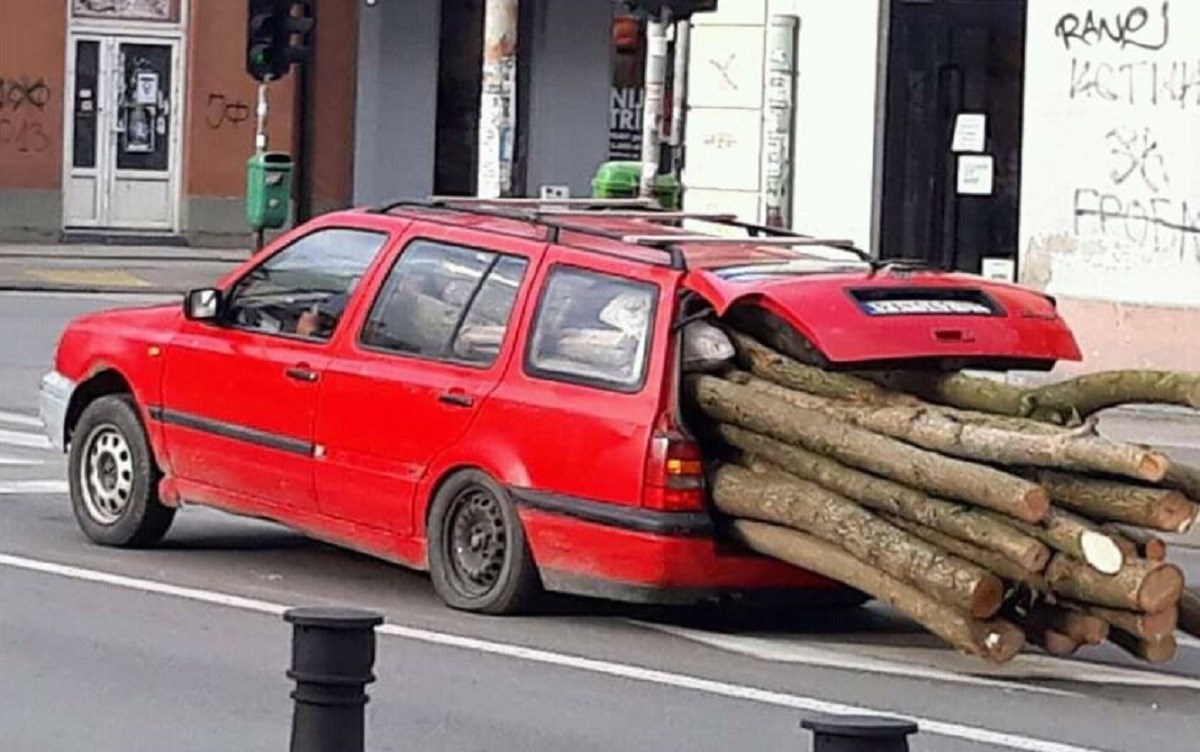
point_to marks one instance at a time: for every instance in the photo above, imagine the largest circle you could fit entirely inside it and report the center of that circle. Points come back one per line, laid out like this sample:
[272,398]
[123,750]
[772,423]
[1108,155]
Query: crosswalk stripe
[18,487]
[19,462]
[20,419]
[22,439]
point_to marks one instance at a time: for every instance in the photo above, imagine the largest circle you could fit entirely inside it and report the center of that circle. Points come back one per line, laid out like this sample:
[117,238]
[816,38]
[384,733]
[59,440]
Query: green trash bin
[268,190]
[621,179]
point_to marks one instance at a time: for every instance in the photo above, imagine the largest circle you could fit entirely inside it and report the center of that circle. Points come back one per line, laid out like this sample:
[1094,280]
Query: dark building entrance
[953,201]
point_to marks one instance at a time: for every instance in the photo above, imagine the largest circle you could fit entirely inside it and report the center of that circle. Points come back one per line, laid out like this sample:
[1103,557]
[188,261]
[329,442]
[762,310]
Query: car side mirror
[203,304]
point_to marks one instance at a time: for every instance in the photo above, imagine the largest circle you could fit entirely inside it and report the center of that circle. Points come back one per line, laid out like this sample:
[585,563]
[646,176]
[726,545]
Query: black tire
[479,558]
[118,505]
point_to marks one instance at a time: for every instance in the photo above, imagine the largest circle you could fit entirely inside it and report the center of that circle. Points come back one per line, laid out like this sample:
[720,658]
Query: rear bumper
[690,565]
[53,399]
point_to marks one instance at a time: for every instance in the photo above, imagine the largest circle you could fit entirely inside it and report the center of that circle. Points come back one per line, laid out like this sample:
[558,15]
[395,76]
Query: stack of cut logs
[991,515]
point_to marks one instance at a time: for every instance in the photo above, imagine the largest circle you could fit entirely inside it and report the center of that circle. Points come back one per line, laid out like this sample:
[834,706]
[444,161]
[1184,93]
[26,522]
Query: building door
[122,140]
[953,133]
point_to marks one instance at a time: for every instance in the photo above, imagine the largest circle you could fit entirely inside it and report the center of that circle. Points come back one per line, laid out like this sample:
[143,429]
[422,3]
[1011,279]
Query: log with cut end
[1185,479]
[726,402]
[939,432]
[1077,537]
[1155,508]
[962,522]
[1159,650]
[1086,629]
[1149,546]
[1146,586]
[780,369]
[1144,626]
[1189,612]
[997,641]
[989,560]
[1039,631]
[1094,392]
[783,499]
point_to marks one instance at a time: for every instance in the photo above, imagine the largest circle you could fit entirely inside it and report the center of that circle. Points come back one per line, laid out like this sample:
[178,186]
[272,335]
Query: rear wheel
[479,559]
[113,478]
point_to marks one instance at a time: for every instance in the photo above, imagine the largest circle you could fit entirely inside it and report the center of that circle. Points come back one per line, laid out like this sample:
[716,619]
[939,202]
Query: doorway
[122,140]
[952,143]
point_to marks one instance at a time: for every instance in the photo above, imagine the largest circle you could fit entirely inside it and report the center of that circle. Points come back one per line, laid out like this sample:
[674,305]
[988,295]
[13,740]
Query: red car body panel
[355,456]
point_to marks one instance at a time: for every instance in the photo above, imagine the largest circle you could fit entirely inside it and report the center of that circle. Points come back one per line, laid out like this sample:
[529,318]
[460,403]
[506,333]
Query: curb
[6,287]
[191,259]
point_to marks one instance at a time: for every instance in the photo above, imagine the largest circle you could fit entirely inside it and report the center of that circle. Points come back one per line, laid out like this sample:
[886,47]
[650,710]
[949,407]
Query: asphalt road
[183,647]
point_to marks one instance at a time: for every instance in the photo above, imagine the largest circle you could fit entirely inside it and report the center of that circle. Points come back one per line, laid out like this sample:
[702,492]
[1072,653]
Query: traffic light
[680,9]
[270,29]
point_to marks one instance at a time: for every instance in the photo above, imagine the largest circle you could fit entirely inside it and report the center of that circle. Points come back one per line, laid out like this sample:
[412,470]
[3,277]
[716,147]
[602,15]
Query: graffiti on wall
[222,111]
[23,101]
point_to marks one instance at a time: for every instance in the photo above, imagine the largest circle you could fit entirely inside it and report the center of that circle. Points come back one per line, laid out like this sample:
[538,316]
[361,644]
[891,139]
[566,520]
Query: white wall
[838,70]
[395,117]
[1110,190]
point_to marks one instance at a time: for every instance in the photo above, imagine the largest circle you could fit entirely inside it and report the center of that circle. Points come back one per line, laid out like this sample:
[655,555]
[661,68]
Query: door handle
[457,399]
[300,373]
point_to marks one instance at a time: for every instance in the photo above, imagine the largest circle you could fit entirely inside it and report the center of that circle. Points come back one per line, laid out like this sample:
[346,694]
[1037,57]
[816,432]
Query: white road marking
[932,663]
[839,656]
[20,419]
[18,462]
[564,660]
[1186,640]
[19,487]
[22,439]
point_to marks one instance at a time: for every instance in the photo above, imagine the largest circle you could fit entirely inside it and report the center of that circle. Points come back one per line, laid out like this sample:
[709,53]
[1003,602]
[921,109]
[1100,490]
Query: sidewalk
[113,269]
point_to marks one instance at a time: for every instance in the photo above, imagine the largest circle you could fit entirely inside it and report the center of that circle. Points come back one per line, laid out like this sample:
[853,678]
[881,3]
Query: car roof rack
[549,213]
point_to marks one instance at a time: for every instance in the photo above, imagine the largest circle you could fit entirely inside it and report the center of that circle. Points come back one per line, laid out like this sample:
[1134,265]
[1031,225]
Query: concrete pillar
[498,105]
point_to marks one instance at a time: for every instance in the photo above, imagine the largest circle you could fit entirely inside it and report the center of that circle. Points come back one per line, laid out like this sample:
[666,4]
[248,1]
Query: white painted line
[564,660]
[20,419]
[1186,640]
[839,656]
[33,487]
[22,439]
[19,462]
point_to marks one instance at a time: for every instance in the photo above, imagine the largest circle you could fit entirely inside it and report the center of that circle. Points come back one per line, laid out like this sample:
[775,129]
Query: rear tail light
[674,473]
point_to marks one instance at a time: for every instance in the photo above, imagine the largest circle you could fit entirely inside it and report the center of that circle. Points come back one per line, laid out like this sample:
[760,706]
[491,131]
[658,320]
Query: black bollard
[333,652]
[857,733]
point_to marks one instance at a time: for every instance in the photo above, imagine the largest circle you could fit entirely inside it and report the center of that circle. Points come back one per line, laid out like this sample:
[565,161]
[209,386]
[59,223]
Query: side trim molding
[673,524]
[232,431]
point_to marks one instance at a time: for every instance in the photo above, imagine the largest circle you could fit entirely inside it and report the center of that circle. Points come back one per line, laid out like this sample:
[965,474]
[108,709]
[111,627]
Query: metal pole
[655,84]
[260,144]
[333,652]
[779,120]
[832,733]
[498,103]
[683,44]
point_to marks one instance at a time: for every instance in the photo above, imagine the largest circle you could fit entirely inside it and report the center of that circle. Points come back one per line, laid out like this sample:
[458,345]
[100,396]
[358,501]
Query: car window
[593,328]
[303,289]
[446,302]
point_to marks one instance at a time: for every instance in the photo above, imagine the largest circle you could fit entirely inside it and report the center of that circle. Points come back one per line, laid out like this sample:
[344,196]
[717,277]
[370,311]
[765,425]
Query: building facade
[1050,142]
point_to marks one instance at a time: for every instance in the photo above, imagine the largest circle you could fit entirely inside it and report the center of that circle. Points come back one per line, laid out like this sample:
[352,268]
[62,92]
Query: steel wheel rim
[476,543]
[106,475]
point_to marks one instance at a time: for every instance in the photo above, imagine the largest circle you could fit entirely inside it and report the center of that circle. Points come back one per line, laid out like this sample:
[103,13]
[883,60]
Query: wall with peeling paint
[1110,203]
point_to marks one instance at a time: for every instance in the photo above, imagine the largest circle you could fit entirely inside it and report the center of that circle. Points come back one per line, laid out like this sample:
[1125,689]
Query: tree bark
[941,433]
[959,390]
[786,372]
[996,641]
[989,560]
[1110,501]
[1145,545]
[785,500]
[963,522]
[1141,585]
[1161,650]
[768,328]
[944,476]
[1097,391]
[1144,626]
[1189,612]
[1075,536]
[1184,478]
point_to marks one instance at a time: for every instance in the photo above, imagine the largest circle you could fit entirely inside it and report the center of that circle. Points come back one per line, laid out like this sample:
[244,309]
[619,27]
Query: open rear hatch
[857,318]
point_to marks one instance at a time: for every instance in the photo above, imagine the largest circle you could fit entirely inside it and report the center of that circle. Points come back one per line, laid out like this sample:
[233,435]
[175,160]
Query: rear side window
[446,302]
[594,329]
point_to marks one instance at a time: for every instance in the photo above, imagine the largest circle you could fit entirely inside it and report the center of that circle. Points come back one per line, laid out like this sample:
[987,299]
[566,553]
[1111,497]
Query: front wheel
[479,559]
[113,478]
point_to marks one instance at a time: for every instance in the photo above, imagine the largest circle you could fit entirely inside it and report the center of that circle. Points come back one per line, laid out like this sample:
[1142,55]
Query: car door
[431,347]
[240,393]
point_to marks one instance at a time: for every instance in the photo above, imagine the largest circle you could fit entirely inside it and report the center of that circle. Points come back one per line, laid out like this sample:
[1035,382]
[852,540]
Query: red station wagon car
[487,390]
